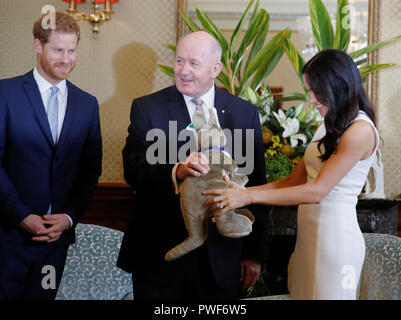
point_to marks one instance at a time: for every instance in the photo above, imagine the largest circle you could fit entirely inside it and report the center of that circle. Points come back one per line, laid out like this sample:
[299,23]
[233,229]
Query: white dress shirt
[62,94]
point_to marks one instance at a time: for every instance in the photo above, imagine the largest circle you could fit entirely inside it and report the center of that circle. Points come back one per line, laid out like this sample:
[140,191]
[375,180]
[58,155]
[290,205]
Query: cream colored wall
[118,66]
[389,97]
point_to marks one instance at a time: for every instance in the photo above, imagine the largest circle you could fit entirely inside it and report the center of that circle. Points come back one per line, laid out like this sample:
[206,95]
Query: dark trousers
[31,271]
[188,278]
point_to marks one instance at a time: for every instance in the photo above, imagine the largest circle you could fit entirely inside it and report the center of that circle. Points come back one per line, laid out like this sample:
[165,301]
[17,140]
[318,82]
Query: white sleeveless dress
[330,248]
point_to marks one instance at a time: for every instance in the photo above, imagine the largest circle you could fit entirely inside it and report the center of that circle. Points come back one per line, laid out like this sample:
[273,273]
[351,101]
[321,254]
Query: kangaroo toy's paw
[235,224]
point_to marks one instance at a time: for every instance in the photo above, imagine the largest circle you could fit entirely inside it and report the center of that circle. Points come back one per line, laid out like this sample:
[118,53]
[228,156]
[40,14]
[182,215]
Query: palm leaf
[266,69]
[224,80]
[373,47]
[374,67]
[343,35]
[255,10]
[295,58]
[250,35]
[191,25]
[167,70]
[216,33]
[321,25]
[361,61]
[213,30]
[238,29]
[260,67]
[172,48]
[364,71]
[259,39]
[291,97]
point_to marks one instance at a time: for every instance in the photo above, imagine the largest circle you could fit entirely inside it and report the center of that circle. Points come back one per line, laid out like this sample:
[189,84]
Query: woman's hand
[231,198]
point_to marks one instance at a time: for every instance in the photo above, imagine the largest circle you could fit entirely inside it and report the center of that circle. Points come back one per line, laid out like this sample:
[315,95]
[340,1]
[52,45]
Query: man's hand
[34,224]
[56,223]
[250,271]
[196,164]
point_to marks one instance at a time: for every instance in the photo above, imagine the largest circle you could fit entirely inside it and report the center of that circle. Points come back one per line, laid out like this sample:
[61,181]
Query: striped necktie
[199,119]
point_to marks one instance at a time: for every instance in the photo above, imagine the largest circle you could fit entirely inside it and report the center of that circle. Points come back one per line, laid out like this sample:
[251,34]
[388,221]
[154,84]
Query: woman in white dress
[330,248]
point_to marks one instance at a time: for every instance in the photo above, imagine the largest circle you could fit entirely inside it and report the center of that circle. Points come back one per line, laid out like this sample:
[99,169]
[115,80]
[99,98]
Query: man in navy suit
[49,166]
[221,266]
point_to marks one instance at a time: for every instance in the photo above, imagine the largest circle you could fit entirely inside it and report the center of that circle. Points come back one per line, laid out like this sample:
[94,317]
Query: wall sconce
[95,18]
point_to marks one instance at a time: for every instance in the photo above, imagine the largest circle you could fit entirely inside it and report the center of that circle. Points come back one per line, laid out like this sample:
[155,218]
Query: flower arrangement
[286,133]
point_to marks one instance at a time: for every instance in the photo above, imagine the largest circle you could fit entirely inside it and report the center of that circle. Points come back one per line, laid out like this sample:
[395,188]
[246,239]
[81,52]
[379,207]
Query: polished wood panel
[111,206]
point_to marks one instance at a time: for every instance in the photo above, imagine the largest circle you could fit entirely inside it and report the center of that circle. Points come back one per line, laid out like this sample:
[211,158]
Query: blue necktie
[52,113]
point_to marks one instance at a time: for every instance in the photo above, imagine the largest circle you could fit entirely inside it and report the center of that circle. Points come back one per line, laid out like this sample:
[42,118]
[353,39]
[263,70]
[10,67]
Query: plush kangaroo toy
[233,223]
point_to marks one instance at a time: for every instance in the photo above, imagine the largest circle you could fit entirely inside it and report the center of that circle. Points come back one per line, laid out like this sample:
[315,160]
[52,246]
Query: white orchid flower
[281,117]
[263,119]
[291,128]
[252,95]
[294,139]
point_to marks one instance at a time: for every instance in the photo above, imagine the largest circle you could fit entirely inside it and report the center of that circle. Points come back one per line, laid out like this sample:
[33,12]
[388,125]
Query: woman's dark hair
[336,82]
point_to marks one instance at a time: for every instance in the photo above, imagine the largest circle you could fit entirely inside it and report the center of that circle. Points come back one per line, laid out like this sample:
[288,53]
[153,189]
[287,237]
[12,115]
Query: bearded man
[50,162]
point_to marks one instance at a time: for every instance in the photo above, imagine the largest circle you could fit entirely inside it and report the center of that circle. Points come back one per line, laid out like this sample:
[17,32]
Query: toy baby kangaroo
[233,223]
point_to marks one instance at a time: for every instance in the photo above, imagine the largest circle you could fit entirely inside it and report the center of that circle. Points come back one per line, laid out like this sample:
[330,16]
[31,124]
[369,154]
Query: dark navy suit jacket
[156,224]
[35,173]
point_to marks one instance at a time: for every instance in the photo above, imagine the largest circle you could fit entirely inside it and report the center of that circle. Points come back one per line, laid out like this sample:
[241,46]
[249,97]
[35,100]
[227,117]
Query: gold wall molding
[373,57]
[181,5]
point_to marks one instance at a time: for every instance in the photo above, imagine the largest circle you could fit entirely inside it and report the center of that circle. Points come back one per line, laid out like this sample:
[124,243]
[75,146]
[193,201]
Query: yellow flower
[295,160]
[271,152]
[276,142]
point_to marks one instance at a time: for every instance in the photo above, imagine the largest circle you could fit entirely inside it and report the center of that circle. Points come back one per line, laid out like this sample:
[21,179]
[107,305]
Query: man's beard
[52,70]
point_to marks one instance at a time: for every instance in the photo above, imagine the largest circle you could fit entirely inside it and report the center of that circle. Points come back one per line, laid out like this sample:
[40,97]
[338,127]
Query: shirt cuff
[69,218]
[174,178]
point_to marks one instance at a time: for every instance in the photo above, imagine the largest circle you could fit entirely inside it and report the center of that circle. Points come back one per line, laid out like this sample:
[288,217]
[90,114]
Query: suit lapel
[222,105]
[32,91]
[178,109]
[70,112]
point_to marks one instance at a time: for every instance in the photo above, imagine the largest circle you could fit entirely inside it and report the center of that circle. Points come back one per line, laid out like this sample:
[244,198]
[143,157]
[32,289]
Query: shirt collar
[207,98]
[44,85]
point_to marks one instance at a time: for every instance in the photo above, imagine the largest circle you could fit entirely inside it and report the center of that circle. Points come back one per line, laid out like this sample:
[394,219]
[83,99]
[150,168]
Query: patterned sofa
[381,271]
[90,272]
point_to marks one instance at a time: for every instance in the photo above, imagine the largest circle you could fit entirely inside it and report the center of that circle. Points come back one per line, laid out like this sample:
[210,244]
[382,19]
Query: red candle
[76,1]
